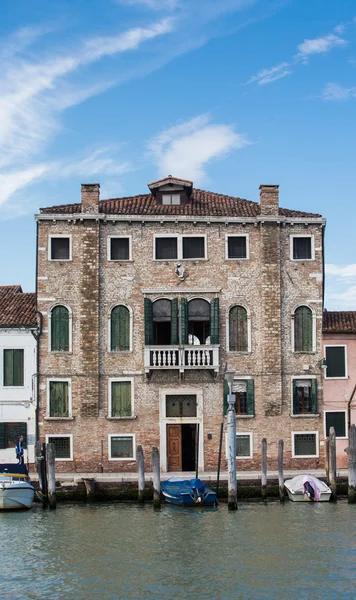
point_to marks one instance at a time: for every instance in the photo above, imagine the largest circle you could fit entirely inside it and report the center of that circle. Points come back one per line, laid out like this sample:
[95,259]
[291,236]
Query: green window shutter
[121,399]
[238,333]
[148,310]
[226,392]
[58,399]
[250,397]
[120,328]
[174,322]
[2,436]
[295,398]
[314,395]
[303,329]
[60,329]
[23,431]
[13,367]
[214,321]
[184,320]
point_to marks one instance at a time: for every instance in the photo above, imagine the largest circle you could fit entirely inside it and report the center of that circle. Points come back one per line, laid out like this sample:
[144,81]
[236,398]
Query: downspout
[349,408]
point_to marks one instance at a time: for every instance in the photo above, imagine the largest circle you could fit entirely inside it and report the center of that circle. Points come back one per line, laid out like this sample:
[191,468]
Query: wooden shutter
[174,322]
[2,436]
[303,329]
[214,321]
[121,399]
[149,339]
[58,399]
[13,367]
[60,329]
[314,395]
[184,320]
[120,328]
[238,333]
[295,398]
[225,403]
[250,397]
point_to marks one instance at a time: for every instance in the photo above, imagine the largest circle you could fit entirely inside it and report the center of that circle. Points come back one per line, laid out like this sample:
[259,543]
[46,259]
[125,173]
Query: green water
[126,551]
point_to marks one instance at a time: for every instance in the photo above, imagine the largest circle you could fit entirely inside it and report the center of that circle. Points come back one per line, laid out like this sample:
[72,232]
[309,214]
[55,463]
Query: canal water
[119,551]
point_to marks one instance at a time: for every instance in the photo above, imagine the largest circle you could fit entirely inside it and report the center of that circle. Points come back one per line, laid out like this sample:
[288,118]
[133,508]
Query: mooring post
[280,470]
[332,463]
[327,459]
[89,488]
[352,465]
[156,478]
[51,475]
[231,449]
[141,474]
[264,469]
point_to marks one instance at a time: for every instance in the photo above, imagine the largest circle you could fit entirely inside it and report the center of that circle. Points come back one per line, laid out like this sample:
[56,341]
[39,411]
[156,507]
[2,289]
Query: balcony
[182,358]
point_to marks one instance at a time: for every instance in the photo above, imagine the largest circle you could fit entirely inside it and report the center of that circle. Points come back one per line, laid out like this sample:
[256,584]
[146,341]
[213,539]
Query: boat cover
[300,482]
[13,469]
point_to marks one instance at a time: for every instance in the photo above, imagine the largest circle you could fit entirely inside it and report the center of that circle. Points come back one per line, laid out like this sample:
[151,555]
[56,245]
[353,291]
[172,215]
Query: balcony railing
[182,357]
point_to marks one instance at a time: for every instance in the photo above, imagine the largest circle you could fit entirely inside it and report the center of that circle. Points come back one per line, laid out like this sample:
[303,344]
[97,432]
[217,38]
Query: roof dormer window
[171,199]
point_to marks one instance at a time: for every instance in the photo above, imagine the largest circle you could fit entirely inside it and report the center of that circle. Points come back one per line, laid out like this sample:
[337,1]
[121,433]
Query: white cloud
[153,4]
[185,149]
[334,91]
[345,272]
[269,75]
[319,45]
[340,286]
[13,181]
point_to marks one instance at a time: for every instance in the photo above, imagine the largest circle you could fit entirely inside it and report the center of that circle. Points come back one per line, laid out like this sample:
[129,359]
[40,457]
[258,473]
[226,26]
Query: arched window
[60,329]
[238,329]
[120,329]
[162,314]
[303,329]
[198,322]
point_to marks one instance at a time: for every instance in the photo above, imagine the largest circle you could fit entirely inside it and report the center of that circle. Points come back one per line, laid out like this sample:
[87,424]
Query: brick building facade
[147,300]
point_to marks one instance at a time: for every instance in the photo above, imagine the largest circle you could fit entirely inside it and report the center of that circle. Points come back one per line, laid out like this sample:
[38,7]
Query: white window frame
[177,193]
[119,380]
[13,387]
[179,238]
[70,325]
[306,378]
[119,260]
[313,330]
[62,435]
[336,346]
[237,235]
[59,235]
[312,247]
[123,435]
[316,433]
[109,329]
[249,331]
[250,435]
[345,437]
[61,379]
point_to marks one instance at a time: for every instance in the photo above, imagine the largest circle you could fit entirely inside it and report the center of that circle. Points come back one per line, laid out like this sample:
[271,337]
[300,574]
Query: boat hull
[180,493]
[296,491]
[15,496]
[296,497]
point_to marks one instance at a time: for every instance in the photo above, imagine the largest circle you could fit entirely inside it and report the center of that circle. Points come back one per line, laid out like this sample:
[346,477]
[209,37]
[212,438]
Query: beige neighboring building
[147,300]
[339,347]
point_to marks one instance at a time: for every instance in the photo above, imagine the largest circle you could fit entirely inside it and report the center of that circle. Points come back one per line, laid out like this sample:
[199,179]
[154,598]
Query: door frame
[164,421]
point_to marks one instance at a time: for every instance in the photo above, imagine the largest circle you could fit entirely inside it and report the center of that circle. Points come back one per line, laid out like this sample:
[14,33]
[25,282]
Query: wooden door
[174,445]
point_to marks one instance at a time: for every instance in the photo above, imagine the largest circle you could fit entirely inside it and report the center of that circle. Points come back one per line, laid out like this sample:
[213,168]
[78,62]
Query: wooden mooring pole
[51,475]
[41,471]
[156,478]
[219,460]
[352,465]
[332,463]
[327,459]
[264,469]
[141,474]
[280,470]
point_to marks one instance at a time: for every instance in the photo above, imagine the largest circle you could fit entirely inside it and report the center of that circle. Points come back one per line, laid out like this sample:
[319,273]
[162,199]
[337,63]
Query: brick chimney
[90,197]
[269,200]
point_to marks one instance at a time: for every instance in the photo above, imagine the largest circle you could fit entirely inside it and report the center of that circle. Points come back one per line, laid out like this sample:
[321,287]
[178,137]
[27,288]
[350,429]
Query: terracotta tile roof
[16,308]
[340,321]
[202,204]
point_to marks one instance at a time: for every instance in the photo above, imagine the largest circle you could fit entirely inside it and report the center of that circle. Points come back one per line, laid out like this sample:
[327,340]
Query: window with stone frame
[13,367]
[121,447]
[181,405]
[305,444]
[60,248]
[303,329]
[305,399]
[302,247]
[335,357]
[120,329]
[62,446]
[180,247]
[238,329]
[59,399]
[236,246]
[119,248]
[337,420]
[244,390]
[244,445]
[59,329]
[121,399]
[193,247]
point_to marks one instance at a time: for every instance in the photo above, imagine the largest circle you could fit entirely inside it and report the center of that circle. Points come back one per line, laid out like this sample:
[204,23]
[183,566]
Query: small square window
[244,445]
[122,447]
[60,248]
[302,248]
[166,248]
[181,406]
[62,446]
[171,199]
[335,362]
[305,444]
[193,247]
[120,248]
[336,419]
[237,246]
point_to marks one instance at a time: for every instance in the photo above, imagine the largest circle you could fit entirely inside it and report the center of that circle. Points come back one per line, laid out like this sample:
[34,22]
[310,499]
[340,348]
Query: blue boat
[185,492]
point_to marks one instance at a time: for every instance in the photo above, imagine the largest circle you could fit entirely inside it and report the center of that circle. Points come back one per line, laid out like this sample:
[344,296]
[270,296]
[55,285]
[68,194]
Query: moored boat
[307,488]
[16,491]
[184,492]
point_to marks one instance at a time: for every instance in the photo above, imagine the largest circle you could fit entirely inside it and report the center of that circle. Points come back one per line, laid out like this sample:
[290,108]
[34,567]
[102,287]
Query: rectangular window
[302,247]
[305,444]
[336,419]
[239,388]
[10,433]
[193,247]
[166,248]
[180,247]
[63,446]
[335,362]
[236,246]
[59,248]
[244,445]
[13,368]
[122,447]
[181,406]
[119,248]
[121,399]
[304,396]
[59,400]
[171,199]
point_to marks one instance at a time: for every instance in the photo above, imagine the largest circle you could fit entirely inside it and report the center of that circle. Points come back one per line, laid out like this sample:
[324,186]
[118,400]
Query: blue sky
[229,93]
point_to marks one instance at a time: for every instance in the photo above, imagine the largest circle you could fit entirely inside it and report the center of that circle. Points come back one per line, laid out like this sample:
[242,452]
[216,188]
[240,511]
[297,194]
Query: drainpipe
[349,408]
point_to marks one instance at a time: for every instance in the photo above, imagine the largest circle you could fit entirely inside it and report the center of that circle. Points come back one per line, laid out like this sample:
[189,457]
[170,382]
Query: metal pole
[231,452]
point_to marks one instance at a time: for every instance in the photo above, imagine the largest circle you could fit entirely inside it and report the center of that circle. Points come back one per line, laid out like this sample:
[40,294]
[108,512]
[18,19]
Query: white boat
[16,491]
[307,488]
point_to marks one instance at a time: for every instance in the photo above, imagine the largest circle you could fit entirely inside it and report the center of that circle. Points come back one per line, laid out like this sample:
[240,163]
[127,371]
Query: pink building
[339,342]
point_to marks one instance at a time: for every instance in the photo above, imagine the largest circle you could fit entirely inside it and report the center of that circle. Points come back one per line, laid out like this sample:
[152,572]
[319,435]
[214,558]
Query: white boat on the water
[307,488]
[16,491]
